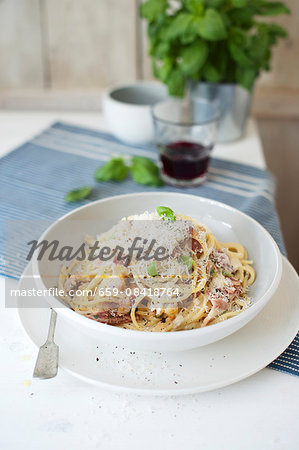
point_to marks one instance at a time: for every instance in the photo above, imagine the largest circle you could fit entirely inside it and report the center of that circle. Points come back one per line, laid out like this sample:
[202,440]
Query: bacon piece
[209,267]
[196,246]
[218,299]
[237,285]
[220,304]
[122,261]
[232,288]
[110,317]
[126,304]
[221,260]
[74,282]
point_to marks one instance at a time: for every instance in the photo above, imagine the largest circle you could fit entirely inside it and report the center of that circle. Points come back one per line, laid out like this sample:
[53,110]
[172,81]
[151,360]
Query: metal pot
[234,103]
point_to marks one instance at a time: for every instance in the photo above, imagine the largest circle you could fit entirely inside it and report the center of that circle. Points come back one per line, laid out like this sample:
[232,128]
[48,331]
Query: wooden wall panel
[279,138]
[20,45]
[92,43]
[285,63]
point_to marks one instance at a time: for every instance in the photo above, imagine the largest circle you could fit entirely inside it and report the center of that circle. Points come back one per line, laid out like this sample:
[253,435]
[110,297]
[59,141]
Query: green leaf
[211,74]
[239,55]
[162,50]
[176,83]
[239,3]
[165,70]
[274,9]
[190,34]
[179,25]
[196,7]
[115,170]
[239,37]
[78,194]
[155,69]
[243,17]
[276,30]
[166,213]
[225,18]
[194,57]
[246,77]
[215,3]
[152,269]
[145,171]
[211,27]
[187,260]
[259,47]
[152,8]
[222,60]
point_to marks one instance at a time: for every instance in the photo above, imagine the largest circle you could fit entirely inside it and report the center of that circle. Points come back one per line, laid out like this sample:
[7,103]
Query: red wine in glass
[184,160]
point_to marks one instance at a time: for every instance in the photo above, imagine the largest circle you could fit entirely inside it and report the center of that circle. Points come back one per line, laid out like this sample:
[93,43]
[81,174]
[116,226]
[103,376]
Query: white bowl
[127,110]
[228,224]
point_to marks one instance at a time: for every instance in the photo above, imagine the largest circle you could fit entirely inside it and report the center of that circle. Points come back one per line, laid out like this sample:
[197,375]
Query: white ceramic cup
[127,110]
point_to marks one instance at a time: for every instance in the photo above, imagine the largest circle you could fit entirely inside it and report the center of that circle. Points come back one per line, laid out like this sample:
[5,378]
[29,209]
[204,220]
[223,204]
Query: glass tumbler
[185,134]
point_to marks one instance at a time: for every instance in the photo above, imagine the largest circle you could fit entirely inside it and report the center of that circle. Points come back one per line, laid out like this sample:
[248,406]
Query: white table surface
[260,412]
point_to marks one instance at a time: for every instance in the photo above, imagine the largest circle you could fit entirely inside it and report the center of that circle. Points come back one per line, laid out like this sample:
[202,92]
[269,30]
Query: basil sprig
[114,170]
[166,213]
[145,171]
[78,194]
[187,260]
[152,269]
[212,41]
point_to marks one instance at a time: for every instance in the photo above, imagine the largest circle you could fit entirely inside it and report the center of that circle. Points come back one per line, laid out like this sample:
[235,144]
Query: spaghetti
[201,282]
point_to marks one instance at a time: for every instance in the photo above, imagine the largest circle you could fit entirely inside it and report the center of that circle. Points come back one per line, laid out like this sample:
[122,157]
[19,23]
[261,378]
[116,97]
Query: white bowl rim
[175,335]
[108,91]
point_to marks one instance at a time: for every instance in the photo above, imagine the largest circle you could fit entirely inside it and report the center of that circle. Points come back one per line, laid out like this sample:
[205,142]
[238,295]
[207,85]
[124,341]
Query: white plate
[213,366]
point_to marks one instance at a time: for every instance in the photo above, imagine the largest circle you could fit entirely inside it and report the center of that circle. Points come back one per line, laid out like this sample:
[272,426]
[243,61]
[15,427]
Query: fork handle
[52,326]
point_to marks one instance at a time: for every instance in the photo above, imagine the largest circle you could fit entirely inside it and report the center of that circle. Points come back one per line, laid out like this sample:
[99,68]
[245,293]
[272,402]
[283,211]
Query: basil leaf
[216,3]
[193,57]
[78,194]
[274,9]
[152,269]
[211,74]
[145,171]
[165,70]
[276,30]
[152,8]
[187,260]
[180,25]
[226,273]
[246,77]
[259,46]
[115,170]
[239,55]
[238,37]
[239,3]
[176,83]
[166,213]
[196,7]
[242,17]
[211,27]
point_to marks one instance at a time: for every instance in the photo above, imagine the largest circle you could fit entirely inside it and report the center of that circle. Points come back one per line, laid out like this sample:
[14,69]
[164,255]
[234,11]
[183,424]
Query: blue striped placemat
[35,177]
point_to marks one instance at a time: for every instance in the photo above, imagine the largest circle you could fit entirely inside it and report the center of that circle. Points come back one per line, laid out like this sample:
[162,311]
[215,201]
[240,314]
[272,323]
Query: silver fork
[47,360]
